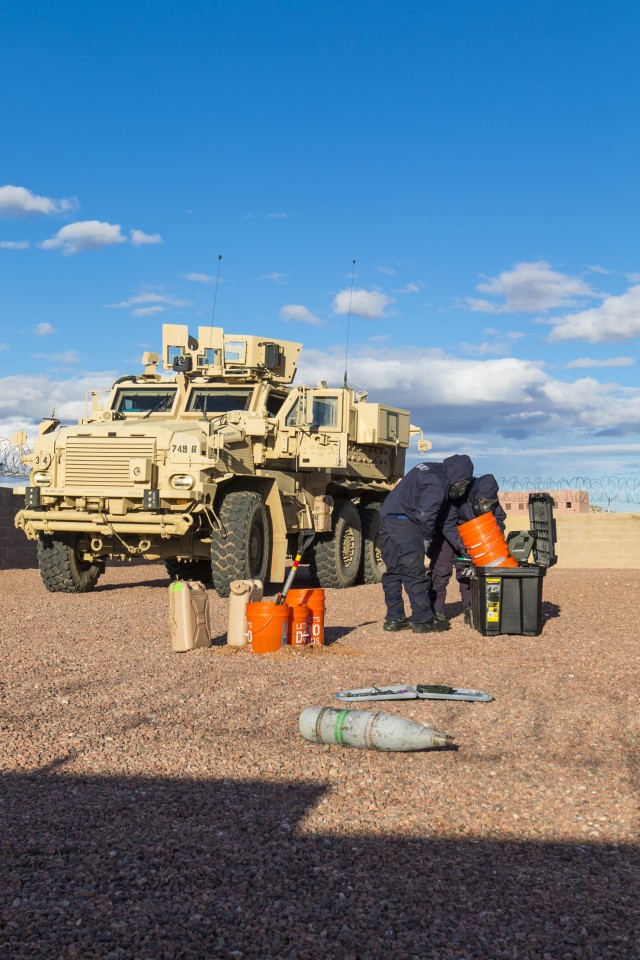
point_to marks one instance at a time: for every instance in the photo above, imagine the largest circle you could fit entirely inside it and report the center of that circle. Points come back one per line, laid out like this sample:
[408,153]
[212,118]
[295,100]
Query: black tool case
[509,599]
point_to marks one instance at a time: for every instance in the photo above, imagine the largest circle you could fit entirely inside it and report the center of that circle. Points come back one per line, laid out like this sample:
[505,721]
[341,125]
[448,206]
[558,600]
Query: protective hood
[457,468]
[484,487]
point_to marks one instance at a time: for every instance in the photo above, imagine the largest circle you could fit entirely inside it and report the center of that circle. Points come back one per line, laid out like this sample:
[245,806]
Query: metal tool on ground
[305,539]
[419,691]
[369,731]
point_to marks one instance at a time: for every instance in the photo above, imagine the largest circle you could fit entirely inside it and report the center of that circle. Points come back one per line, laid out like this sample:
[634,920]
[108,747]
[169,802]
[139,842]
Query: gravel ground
[159,805]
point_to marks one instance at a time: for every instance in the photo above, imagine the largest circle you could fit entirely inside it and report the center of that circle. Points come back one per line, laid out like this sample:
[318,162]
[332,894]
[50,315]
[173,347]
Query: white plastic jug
[242,593]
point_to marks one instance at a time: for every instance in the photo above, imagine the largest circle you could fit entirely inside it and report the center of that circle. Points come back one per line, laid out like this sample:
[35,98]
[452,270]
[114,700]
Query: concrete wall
[15,549]
[592,540]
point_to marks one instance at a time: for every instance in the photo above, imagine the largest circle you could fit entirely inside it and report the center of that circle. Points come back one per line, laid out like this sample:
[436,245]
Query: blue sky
[478,160]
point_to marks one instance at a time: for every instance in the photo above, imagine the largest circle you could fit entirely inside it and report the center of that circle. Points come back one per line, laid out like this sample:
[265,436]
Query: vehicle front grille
[102,462]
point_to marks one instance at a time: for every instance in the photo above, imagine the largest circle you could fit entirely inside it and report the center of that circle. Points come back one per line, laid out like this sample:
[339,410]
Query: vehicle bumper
[36,522]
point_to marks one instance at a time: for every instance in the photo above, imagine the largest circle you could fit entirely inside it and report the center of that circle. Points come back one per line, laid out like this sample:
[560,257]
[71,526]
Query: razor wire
[10,461]
[607,489]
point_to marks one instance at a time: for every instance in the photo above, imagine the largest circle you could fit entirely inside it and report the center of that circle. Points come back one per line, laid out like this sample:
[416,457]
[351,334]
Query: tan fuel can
[188,615]
[242,592]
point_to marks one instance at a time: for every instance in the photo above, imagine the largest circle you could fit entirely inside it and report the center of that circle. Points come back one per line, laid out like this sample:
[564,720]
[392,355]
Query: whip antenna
[346,353]
[215,295]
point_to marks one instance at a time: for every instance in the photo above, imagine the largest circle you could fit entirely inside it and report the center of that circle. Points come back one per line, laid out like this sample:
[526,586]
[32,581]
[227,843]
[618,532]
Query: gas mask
[457,490]
[483,505]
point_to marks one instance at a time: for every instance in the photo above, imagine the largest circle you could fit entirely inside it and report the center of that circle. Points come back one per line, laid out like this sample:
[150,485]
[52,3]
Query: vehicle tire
[372,565]
[334,559]
[199,569]
[61,568]
[241,550]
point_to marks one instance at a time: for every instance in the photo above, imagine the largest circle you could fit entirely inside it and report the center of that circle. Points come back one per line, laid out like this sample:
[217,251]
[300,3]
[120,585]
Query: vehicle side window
[274,404]
[292,417]
[325,412]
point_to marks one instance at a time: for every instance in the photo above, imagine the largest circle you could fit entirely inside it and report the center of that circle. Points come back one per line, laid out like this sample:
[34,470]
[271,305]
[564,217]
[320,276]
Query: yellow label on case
[493,613]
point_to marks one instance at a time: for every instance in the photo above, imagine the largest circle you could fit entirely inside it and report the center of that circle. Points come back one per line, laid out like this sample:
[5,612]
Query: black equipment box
[509,599]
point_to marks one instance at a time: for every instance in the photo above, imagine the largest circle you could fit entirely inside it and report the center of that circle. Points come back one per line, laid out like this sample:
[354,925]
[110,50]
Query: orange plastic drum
[485,543]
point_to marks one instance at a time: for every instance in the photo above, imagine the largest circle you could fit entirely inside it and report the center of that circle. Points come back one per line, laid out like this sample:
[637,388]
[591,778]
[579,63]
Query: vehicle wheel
[61,568]
[243,554]
[372,565]
[189,569]
[335,559]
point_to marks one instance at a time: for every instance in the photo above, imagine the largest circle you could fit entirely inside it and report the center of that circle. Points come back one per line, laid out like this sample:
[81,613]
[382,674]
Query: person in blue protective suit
[447,551]
[408,523]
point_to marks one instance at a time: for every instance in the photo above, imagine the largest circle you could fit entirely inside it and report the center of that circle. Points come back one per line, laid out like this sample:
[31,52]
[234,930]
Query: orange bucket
[314,599]
[299,622]
[485,543]
[267,625]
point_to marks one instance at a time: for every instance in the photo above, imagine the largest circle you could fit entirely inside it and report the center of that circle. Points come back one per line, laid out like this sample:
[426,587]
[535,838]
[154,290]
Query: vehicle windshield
[145,400]
[218,400]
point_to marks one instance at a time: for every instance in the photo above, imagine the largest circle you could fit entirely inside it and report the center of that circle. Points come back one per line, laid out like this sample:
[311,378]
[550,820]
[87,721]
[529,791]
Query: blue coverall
[408,522]
[447,545]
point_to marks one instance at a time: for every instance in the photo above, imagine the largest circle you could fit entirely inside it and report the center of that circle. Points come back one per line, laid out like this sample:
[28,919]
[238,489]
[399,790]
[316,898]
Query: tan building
[564,501]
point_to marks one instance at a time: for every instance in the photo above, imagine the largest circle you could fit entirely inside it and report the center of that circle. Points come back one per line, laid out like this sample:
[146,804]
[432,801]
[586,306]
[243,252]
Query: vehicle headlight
[182,481]
[42,479]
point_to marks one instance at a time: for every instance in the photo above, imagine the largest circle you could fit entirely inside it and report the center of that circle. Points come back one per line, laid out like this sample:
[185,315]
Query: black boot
[468,619]
[431,626]
[391,626]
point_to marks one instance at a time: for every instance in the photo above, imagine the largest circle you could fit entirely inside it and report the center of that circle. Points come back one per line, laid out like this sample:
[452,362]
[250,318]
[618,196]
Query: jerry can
[242,593]
[188,615]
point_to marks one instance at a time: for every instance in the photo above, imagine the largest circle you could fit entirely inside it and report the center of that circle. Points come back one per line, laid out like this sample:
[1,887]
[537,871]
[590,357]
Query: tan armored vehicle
[219,470]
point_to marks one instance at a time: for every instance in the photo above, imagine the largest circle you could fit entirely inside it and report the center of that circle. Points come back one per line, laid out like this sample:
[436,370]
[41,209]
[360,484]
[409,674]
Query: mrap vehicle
[218,469]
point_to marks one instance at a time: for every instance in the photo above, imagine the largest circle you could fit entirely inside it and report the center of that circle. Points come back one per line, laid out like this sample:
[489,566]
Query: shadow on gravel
[550,610]
[159,868]
[100,587]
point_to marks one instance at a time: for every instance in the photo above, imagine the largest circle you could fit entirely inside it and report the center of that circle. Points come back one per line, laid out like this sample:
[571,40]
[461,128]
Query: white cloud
[20,202]
[67,356]
[277,216]
[199,277]
[148,311]
[633,277]
[146,304]
[617,318]
[585,362]
[276,277]
[84,235]
[25,399]
[44,330]
[387,271]
[409,288]
[491,399]
[14,244]
[596,268]
[4,346]
[430,377]
[500,347]
[365,303]
[295,311]
[139,238]
[530,288]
